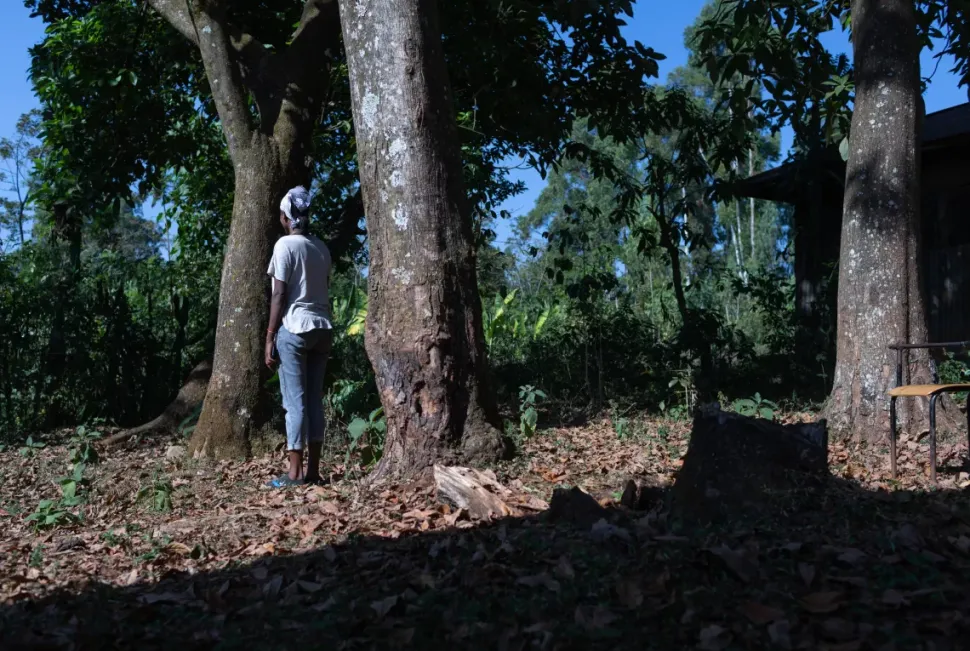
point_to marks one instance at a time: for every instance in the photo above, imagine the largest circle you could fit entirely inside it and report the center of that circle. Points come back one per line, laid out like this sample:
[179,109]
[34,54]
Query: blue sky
[657,24]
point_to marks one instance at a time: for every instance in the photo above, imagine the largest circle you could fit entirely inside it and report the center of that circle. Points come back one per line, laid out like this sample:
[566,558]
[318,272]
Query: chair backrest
[899,348]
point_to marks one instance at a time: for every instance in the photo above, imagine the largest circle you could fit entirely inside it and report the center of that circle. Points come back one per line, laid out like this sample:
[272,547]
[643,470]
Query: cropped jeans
[303,363]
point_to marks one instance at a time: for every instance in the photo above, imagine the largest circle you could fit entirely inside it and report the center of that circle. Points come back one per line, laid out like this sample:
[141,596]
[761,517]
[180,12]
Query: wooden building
[815,189]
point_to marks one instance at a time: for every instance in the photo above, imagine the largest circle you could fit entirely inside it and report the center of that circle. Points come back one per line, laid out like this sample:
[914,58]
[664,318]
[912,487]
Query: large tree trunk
[880,294]
[235,405]
[424,329]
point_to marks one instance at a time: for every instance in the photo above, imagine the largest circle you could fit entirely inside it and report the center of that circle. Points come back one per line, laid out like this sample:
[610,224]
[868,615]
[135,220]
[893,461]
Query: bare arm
[276,305]
[275,318]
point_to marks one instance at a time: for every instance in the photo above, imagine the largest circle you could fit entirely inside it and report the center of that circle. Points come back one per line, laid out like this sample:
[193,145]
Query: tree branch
[209,31]
[321,18]
[288,88]
[347,227]
[176,12]
[307,59]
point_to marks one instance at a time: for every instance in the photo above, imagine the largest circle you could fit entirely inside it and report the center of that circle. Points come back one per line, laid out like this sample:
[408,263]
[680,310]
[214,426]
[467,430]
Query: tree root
[189,398]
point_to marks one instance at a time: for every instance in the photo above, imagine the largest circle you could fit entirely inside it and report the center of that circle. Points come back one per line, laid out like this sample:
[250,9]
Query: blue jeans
[303,363]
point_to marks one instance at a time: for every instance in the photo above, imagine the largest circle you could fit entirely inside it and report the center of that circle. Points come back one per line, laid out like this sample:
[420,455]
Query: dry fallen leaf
[894,598]
[594,618]
[854,645]
[603,531]
[759,614]
[537,580]
[838,629]
[740,563]
[164,597]
[822,602]
[779,633]
[452,517]
[131,578]
[852,556]
[658,584]
[564,569]
[629,593]
[272,587]
[310,527]
[179,548]
[384,606]
[962,544]
[908,536]
[807,572]
[714,638]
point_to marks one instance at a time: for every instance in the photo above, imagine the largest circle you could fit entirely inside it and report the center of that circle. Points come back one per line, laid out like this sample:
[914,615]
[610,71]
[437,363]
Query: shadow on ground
[834,567]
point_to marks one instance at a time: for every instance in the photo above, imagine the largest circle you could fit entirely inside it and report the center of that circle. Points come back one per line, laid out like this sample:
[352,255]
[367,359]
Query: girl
[300,330]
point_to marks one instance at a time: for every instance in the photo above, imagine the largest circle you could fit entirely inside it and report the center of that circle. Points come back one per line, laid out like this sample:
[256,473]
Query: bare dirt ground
[148,549]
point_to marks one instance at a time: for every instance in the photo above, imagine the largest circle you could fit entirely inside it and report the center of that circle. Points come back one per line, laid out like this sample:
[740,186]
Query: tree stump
[481,495]
[575,505]
[737,465]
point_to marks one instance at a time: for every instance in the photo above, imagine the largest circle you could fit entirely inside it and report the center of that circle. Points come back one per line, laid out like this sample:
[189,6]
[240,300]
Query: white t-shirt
[303,263]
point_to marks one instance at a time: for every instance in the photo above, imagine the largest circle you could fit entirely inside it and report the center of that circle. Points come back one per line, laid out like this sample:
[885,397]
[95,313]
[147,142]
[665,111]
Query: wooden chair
[930,391]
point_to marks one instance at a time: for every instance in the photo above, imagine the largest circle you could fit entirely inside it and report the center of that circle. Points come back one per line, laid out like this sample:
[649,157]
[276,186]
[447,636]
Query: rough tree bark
[880,298]
[424,330]
[269,154]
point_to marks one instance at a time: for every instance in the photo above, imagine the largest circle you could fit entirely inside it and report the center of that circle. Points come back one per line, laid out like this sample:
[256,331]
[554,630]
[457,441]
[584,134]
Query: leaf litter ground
[174,553]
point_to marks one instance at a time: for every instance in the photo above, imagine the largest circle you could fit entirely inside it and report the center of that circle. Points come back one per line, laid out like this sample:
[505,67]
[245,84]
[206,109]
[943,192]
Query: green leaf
[69,489]
[844,148]
[356,429]
[163,501]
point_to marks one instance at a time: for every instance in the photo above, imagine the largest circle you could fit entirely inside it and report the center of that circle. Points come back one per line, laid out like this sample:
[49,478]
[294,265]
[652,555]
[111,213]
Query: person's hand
[270,362]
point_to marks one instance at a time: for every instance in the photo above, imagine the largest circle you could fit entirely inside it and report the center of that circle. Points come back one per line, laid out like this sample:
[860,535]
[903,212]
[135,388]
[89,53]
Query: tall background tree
[17,155]
[880,289]
[779,45]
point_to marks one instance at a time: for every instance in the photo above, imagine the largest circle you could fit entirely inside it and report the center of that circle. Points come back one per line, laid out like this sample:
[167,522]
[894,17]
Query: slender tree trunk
[751,252]
[673,252]
[20,224]
[424,329]
[180,312]
[5,391]
[880,294]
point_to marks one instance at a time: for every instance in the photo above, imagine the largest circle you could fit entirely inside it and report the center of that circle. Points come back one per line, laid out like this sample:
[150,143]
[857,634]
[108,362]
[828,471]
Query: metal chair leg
[892,435]
[933,438]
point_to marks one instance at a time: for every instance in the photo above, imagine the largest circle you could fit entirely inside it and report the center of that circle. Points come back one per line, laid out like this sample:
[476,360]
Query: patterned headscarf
[296,207]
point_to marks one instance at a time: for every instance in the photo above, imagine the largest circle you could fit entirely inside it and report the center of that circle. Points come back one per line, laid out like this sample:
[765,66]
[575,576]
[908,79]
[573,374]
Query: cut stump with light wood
[480,493]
